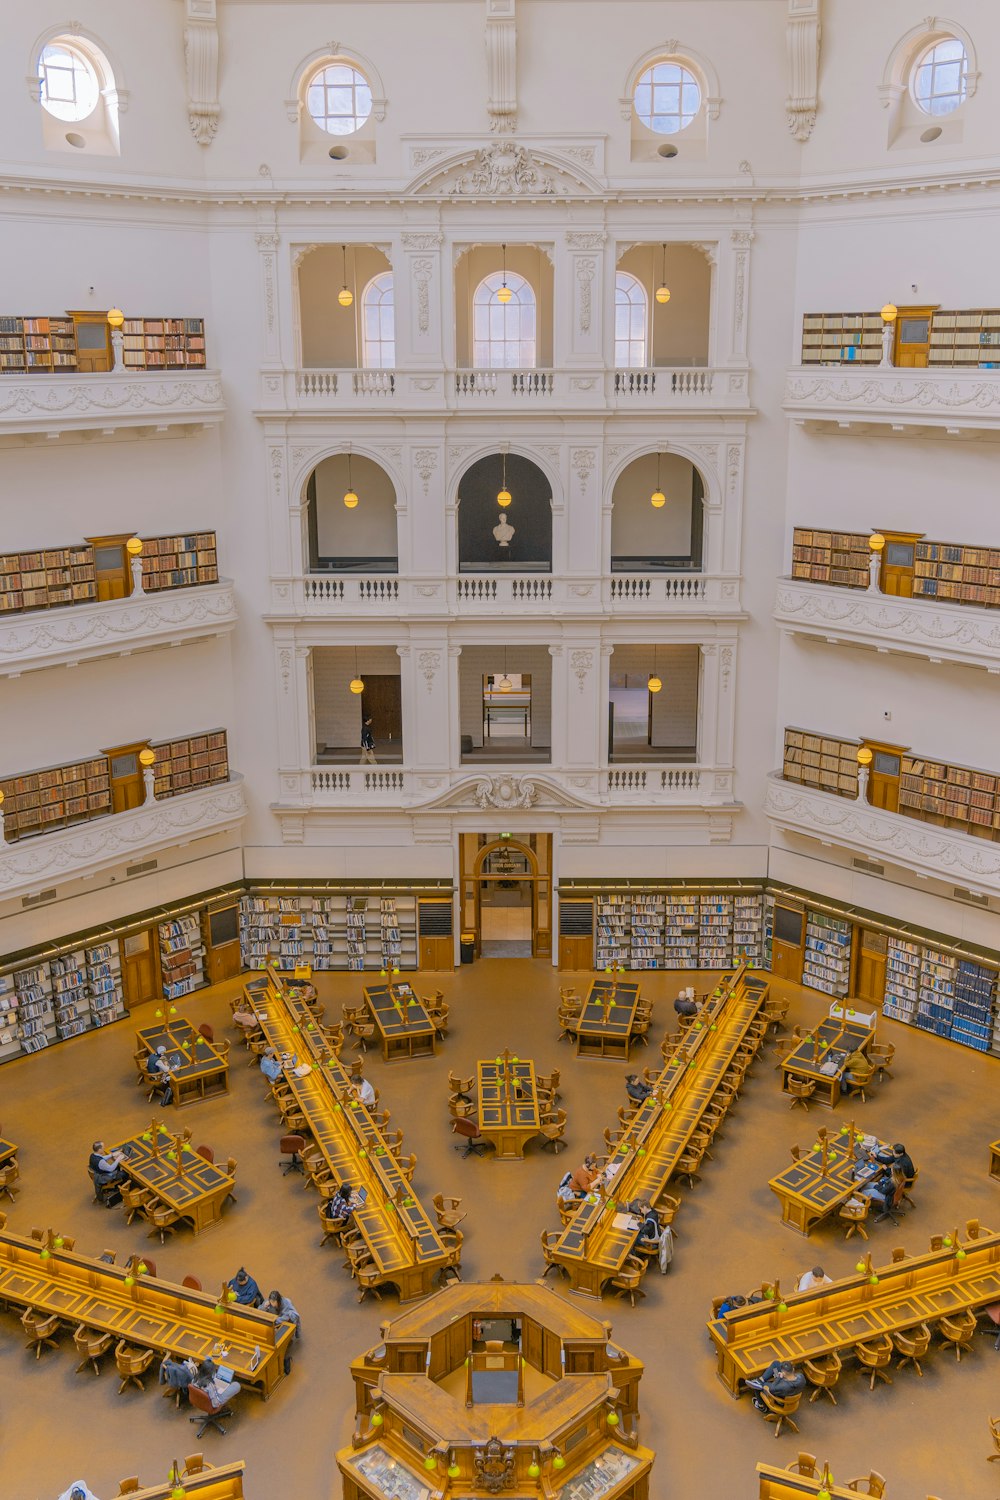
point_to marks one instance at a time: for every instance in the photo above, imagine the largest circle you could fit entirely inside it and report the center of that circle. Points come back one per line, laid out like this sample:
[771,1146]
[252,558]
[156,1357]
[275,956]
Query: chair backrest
[199,1399]
[206,1152]
[128,1486]
[194,1463]
[231,1167]
[876,1484]
[805,1464]
[468,1128]
[292,1144]
[193,1282]
[206,1031]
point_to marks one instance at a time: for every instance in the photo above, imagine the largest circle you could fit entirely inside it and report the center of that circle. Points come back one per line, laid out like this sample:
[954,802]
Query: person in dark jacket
[248,1293]
[636,1089]
[367,744]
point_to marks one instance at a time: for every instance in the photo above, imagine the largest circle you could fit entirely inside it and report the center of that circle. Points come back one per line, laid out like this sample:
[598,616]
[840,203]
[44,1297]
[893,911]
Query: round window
[339,98]
[70,87]
[667,97]
[939,78]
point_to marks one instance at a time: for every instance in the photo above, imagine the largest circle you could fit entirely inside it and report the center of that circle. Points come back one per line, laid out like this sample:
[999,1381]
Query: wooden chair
[409,1166]
[569,997]
[958,1331]
[666,1207]
[91,1346]
[880,1055]
[898,1254]
[452,1240]
[231,1165]
[549,1082]
[135,1201]
[805,1465]
[551,1264]
[801,1090]
[611,1139]
[569,1024]
[8,1176]
[206,1153]
[163,1218]
[905,1198]
[568,1207]
[128,1486]
[192,1282]
[460,1108]
[380,1118]
[447,1211]
[781,1409]
[995,1435]
[859,1079]
[822,1375]
[41,1330]
[687,1166]
[912,1345]
[193,1464]
[132,1364]
[439,1020]
[874,1356]
[361,1033]
[854,1213]
[785,1045]
[872,1484]
[333,1229]
[292,1147]
[462,1085]
[393,1141]
[774,1013]
[628,1281]
[369,1279]
[553,1128]
[640,1032]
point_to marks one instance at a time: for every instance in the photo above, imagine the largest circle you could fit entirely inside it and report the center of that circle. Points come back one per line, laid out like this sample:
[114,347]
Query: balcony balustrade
[151,401]
[936,402]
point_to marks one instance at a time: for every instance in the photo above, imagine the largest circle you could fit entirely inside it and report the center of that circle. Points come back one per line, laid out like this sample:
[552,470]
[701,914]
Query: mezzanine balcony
[929,628]
[929,402]
[929,850]
[148,402]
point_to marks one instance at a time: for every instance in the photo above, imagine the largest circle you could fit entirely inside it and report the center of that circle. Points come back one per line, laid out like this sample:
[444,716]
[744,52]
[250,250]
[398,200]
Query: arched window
[378,327]
[73,81]
[631,321]
[939,77]
[667,97]
[70,85]
[339,98]
[503,333]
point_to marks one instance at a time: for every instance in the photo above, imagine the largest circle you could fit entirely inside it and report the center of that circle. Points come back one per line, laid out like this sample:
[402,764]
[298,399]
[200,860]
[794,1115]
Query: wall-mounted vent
[39,898]
[961,894]
[868,866]
[143,869]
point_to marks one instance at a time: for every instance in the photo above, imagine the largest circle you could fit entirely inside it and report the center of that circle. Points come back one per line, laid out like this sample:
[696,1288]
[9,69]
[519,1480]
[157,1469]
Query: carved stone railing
[675,594]
[50,859]
[115,627]
[942,854]
[150,400]
[947,401]
[936,630]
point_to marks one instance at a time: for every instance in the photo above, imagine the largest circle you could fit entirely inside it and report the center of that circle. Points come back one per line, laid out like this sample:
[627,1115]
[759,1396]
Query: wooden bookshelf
[821,761]
[957,573]
[184,764]
[49,344]
[163,343]
[13,359]
[176,562]
[953,796]
[841,338]
[837,557]
[970,338]
[38,801]
[353,930]
[46,580]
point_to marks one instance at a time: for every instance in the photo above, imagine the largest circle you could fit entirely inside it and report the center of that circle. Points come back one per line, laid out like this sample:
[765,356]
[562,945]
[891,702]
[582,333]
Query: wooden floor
[927,1436]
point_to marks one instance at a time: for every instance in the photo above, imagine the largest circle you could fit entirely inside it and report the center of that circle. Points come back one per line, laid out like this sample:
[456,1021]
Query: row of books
[60,998]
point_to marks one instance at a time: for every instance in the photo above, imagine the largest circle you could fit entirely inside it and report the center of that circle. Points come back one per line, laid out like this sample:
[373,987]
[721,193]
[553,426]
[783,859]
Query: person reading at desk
[899,1157]
[340,1208]
[270,1065]
[159,1072]
[363,1090]
[583,1179]
[685,1004]
[886,1191]
[816,1277]
[106,1166]
[177,1372]
[855,1062]
[210,1380]
[248,1293]
[284,1311]
[637,1091]
[779,1379]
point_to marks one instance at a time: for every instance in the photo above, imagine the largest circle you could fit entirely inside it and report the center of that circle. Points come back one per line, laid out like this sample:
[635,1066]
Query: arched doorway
[506,894]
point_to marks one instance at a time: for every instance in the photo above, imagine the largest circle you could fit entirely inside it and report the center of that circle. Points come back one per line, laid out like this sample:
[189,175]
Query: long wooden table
[786,1484]
[7,1150]
[203,1070]
[607,1020]
[402,1241]
[196,1188]
[832,1318]
[403,1025]
[213,1482]
[151,1313]
[507,1104]
[591,1249]
[810,1059]
[817,1185]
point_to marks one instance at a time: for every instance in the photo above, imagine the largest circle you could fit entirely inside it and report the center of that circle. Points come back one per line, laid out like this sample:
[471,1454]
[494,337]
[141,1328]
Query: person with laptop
[159,1072]
[901,1158]
[105,1166]
[284,1311]
[340,1207]
[637,1091]
[270,1065]
[217,1382]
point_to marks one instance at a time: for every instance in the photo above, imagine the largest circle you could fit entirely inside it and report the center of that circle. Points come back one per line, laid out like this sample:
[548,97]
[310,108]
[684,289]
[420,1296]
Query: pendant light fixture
[345,296]
[504,496]
[350,498]
[504,292]
[653,683]
[658,499]
[357,682]
[505,685]
[663,291]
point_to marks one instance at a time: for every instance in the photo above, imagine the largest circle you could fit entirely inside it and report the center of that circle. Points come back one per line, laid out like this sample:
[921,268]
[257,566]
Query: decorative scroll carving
[504,169]
[501,65]
[423,270]
[201,61]
[428,662]
[505,792]
[581,661]
[586,269]
[802,35]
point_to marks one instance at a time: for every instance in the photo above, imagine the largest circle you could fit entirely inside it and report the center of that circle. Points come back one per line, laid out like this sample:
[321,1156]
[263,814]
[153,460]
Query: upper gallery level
[889,802]
[120,804]
[894,591]
[110,596]
[915,371]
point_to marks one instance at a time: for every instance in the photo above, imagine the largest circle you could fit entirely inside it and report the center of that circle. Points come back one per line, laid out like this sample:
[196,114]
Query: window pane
[339,99]
[667,97]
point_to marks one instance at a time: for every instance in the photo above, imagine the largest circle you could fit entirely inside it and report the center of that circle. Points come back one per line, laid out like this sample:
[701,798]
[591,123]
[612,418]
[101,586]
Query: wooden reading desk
[507,1107]
[204,1069]
[171,1168]
[994,1160]
[825,1319]
[400,1237]
[592,1248]
[151,1313]
[810,1058]
[786,1484]
[221,1482]
[607,1020]
[818,1184]
[403,1025]
[7,1150]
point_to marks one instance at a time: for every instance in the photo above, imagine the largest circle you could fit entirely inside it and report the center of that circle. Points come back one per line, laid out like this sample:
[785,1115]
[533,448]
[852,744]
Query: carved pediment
[503,169]
[507,792]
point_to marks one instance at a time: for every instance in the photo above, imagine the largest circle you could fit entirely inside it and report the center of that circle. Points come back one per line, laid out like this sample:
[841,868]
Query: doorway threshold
[497,948]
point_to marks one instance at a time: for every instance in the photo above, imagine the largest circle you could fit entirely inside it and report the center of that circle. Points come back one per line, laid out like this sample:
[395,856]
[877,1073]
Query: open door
[913,337]
[382,703]
[140,967]
[788,941]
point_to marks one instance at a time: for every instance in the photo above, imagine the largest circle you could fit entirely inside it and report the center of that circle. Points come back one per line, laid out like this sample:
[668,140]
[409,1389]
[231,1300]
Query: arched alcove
[357,540]
[678,332]
[645,538]
[330,335]
[528,549]
[528,263]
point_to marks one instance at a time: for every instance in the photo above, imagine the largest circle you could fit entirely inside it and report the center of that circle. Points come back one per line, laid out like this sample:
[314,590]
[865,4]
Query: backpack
[564,1181]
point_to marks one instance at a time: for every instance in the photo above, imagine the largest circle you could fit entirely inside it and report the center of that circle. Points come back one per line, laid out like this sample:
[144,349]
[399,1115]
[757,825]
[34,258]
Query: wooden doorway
[221,939]
[140,967]
[883,777]
[898,559]
[382,703]
[111,567]
[870,960]
[787,941]
[127,786]
[913,337]
[93,341]
[507,894]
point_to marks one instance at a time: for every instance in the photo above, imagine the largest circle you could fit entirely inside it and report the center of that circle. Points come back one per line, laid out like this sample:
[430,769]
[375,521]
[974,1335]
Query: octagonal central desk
[607,1020]
[508,1113]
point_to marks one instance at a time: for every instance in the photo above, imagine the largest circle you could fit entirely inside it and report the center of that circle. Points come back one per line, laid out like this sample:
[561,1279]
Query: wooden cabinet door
[127,786]
[111,567]
[869,983]
[93,341]
[897,568]
[381,702]
[140,967]
[787,942]
[883,779]
[913,337]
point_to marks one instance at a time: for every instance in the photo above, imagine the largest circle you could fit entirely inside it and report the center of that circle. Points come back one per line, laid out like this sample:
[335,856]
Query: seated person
[779,1379]
[177,1372]
[364,1091]
[648,1236]
[565,1192]
[285,1312]
[158,1070]
[78,1490]
[105,1166]
[727,1304]
[340,1208]
[816,1277]
[685,1005]
[856,1062]
[636,1089]
[248,1293]
[585,1176]
[886,1190]
[899,1157]
[219,1391]
[270,1065]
